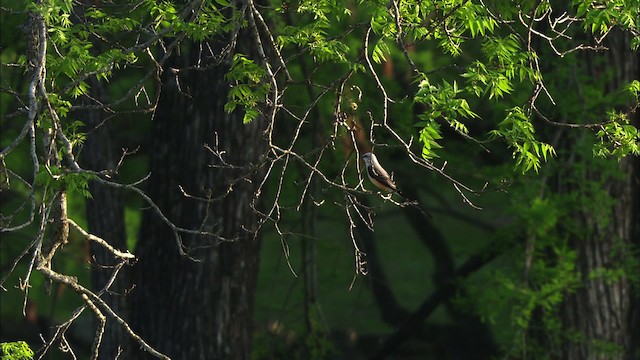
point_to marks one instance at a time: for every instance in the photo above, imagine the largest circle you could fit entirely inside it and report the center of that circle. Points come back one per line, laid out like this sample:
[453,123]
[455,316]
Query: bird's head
[367,158]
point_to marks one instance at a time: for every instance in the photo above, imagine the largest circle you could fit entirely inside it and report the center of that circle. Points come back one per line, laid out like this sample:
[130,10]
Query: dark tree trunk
[601,310]
[202,308]
[105,217]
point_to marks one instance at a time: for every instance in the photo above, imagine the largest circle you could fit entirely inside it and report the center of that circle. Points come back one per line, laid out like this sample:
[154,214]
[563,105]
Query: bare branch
[90,237]
[72,283]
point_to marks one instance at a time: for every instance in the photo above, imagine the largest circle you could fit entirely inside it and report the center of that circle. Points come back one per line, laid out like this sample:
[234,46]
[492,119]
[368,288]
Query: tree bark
[202,308]
[105,217]
[600,311]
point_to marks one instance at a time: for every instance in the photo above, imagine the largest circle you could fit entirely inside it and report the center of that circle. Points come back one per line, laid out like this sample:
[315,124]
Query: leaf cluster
[443,104]
[518,131]
[18,350]
[248,87]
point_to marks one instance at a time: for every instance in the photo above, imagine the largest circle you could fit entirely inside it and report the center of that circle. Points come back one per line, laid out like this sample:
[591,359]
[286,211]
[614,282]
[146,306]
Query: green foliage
[466,18]
[208,20]
[318,28]
[541,215]
[442,103]
[517,130]
[601,17]
[505,62]
[552,272]
[379,51]
[72,50]
[429,136]
[18,350]
[549,283]
[55,178]
[475,18]
[617,138]
[78,183]
[248,89]
[544,234]
[314,32]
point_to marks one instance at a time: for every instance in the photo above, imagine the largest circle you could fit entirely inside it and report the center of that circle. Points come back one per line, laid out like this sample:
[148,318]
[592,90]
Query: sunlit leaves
[326,10]
[475,18]
[315,38]
[485,80]
[633,88]
[18,350]
[443,103]
[74,132]
[462,19]
[379,51]
[517,130]
[248,87]
[314,34]
[601,16]
[62,106]
[617,138]
[164,14]
[503,50]
[56,178]
[382,22]
[207,22]
[449,23]
[452,24]
[443,100]
[101,22]
[506,62]
[429,136]
[74,52]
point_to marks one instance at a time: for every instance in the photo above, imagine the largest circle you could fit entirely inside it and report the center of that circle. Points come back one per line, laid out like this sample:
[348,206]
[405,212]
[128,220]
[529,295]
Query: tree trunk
[600,311]
[199,307]
[105,217]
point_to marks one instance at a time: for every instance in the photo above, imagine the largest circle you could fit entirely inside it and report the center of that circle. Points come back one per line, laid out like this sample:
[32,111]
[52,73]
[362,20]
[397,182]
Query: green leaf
[517,130]
[379,51]
[18,350]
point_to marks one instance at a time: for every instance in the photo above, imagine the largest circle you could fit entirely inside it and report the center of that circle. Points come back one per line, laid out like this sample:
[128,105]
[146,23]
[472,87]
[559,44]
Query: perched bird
[381,179]
[377,174]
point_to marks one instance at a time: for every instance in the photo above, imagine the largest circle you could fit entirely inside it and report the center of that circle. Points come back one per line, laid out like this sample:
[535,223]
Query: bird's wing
[381,176]
[377,169]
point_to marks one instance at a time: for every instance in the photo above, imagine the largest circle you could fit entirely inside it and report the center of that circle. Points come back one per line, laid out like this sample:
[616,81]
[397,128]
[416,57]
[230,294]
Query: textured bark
[105,217]
[600,310]
[198,309]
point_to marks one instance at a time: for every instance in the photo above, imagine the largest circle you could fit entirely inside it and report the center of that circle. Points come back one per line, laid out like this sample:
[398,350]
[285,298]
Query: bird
[381,179]
[377,174]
